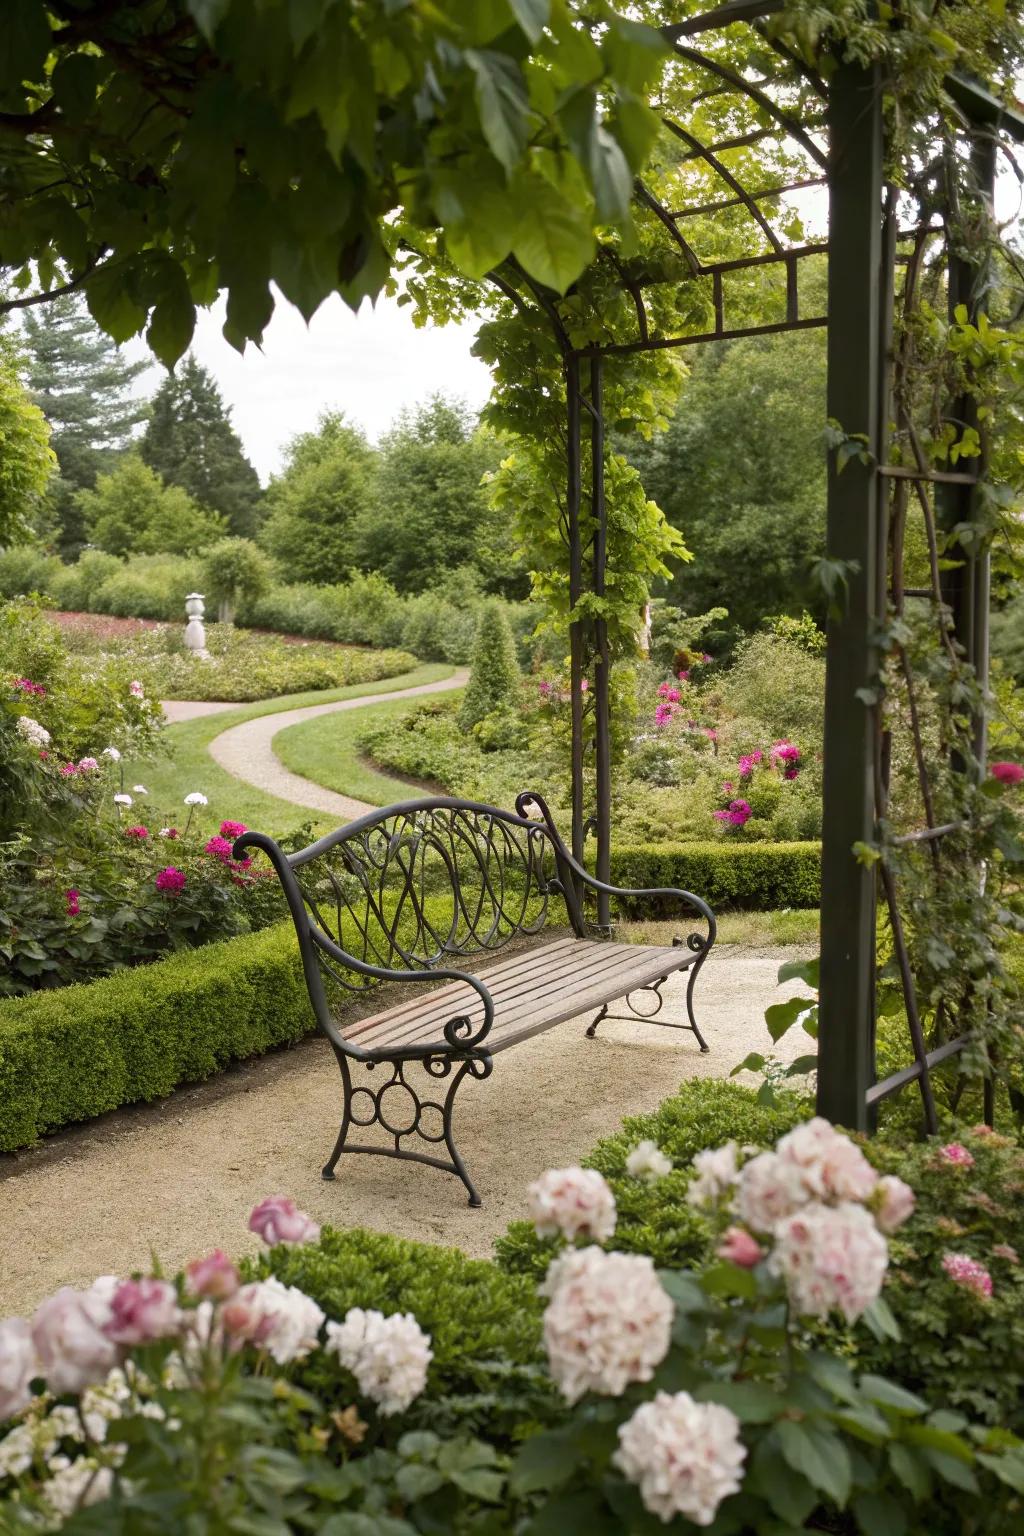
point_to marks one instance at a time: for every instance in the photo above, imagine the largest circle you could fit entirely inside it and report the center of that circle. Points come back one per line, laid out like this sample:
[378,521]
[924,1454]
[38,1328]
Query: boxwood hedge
[751,876]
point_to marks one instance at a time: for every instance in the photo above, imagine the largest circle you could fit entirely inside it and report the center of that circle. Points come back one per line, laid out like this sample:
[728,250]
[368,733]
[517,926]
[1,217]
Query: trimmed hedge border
[750,876]
[74,1052]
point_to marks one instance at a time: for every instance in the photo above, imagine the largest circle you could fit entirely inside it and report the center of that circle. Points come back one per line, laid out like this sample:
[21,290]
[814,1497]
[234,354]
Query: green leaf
[532,16]
[75,81]
[546,1461]
[634,54]
[790,1495]
[24,43]
[352,1522]
[864,1423]
[911,1471]
[754,1062]
[819,1455]
[802,1065]
[729,1280]
[502,104]
[637,126]
[750,1401]
[782,1016]
[555,242]
[571,1513]
[879,1318]
[419,1442]
[807,971]
[416,1481]
[878,1389]
[111,304]
[942,1440]
[1008,1467]
[833,1376]
[878,1514]
[174,316]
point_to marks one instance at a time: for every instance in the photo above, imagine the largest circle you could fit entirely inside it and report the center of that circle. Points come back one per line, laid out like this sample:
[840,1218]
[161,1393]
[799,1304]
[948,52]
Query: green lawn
[324,750]
[188,765]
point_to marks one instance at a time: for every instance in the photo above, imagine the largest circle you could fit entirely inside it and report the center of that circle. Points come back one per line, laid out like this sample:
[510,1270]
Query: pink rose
[143,1310]
[955,1152]
[738,1247]
[1007,773]
[895,1203]
[277,1220]
[215,1276]
[68,1331]
[18,1365]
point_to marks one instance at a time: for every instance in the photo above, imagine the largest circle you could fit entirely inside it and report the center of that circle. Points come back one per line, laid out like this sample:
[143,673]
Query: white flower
[833,1259]
[608,1321]
[17,1451]
[35,734]
[769,1190]
[388,1356]
[122,799]
[195,798]
[68,1333]
[139,789]
[136,689]
[281,1318]
[112,753]
[831,1167]
[576,1202]
[685,1457]
[18,1365]
[648,1162]
[77,1484]
[714,1175]
[893,1203]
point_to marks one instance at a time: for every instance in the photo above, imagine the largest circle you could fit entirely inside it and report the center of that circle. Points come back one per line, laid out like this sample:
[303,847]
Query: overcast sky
[368,365]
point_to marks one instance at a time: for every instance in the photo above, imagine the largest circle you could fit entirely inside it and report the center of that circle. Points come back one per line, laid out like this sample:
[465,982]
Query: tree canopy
[326,490]
[189,441]
[26,458]
[131,511]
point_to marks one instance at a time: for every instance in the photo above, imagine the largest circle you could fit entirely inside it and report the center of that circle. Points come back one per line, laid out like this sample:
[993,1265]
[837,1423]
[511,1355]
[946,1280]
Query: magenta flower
[544,689]
[68,769]
[220,848]
[684,676]
[791,773]
[27,686]
[278,1220]
[139,832]
[666,691]
[170,879]
[1006,1251]
[1007,773]
[71,898]
[737,814]
[171,832]
[965,1271]
[706,658]
[727,787]
[584,685]
[955,1152]
[785,752]
[87,765]
[710,733]
[136,689]
[663,714]
[232,828]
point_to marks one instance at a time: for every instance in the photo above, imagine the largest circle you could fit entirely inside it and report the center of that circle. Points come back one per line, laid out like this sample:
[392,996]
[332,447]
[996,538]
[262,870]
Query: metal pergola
[722,231]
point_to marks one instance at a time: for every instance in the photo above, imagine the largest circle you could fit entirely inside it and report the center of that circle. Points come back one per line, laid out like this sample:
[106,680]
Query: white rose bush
[230,1400]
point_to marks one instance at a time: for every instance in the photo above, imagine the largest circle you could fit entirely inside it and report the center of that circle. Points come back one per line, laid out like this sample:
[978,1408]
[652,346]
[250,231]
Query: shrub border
[751,876]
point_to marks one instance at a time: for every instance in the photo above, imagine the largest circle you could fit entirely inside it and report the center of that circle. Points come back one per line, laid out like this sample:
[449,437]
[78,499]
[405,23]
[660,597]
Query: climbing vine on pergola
[613,195]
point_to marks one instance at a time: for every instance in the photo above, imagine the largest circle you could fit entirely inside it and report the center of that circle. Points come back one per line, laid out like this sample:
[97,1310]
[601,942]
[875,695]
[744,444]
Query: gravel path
[177,710]
[180,1176]
[246,750]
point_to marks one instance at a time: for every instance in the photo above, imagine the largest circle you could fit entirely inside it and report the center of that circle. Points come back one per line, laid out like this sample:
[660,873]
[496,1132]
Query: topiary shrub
[753,876]
[655,1218]
[494,674]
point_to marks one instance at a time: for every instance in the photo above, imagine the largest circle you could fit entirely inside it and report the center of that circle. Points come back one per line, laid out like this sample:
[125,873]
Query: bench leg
[385,1106]
[651,1012]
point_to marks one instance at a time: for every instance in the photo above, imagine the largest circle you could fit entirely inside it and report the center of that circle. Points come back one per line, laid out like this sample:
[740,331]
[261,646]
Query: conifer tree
[494,670]
[82,383]
[189,441]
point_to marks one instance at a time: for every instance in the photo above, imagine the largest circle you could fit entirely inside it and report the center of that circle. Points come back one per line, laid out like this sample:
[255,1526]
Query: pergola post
[602,669]
[854,545]
[574,492]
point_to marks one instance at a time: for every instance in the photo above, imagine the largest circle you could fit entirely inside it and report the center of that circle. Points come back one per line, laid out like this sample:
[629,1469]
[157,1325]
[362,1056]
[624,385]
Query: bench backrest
[424,885]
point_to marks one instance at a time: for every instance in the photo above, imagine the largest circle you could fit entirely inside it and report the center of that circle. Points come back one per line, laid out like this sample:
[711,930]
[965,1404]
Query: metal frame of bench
[378,885]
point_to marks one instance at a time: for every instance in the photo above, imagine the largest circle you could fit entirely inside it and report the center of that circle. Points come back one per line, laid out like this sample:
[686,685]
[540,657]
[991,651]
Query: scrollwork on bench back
[422,885]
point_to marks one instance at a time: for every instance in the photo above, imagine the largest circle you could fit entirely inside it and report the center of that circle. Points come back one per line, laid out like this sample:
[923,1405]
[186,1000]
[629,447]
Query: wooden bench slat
[557,982]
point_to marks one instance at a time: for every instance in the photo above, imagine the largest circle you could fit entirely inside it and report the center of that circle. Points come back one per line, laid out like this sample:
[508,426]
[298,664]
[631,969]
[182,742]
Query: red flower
[170,879]
[1007,773]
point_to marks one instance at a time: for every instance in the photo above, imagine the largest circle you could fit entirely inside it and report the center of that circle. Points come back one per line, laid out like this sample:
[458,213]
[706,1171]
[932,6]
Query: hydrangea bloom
[894,1203]
[965,1271]
[684,1456]
[31,731]
[214,1276]
[831,1167]
[715,1174]
[388,1356]
[18,1366]
[738,814]
[143,1310]
[278,1220]
[955,1152]
[666,691]
[648,1162]
[170,879]
[608,1321]
[748,762]
[770,1189]
[281,1318]
[112,753]
[663,714]
[195,798]
[1006,1251]
[575,1202]
[124,800]
[1007,773]
[87,765]
[68,1333]
[27,686]
[833,1259]
[68,769]
[232,829]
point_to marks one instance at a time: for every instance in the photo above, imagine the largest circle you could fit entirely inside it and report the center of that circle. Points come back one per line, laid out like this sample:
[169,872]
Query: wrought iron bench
[406,893]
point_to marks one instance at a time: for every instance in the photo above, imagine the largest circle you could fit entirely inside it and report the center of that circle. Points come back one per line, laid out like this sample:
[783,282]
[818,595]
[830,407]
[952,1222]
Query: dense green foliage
[752,876]
[493,687]
[26,457]
[83,385]
[314,506]
[72,1054]
[131,511]
[234,571]
[741,471]
[189,441]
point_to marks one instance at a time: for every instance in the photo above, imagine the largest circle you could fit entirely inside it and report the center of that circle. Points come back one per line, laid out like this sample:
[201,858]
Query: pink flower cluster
[608,1321]
[684,1456]
[663,713]
[27,686]
[136,689]
[957,1154]
[787,754]
[737,814]
[1007,773]
[71,899]
[666,691]
[232,829]
[575,1202]
[278,1220]
[140,833]
[748,762]
[170,879]
[965,1271]
[824,1208]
